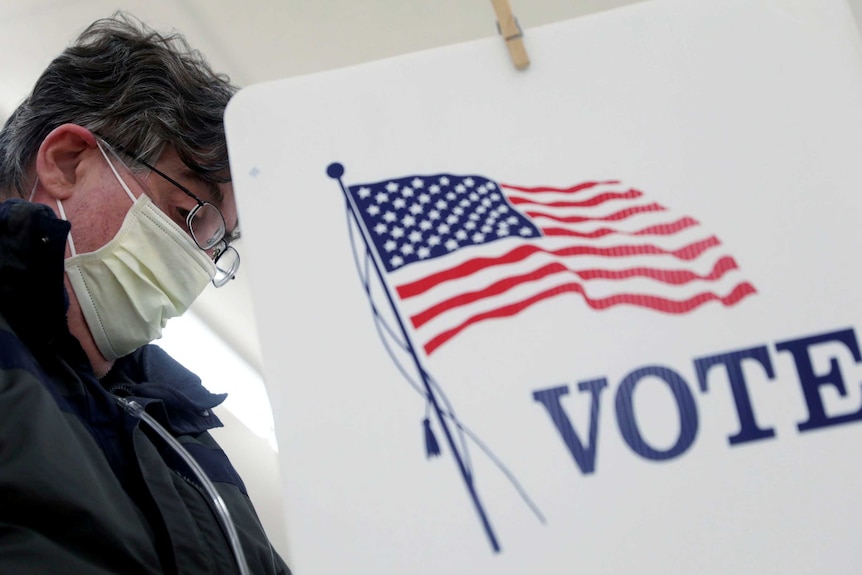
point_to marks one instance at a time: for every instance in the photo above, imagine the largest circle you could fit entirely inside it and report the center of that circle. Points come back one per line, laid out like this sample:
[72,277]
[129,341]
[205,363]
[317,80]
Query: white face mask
[148,273]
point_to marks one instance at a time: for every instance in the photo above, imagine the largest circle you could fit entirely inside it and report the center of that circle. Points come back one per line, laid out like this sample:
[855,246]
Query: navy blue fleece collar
[151,376]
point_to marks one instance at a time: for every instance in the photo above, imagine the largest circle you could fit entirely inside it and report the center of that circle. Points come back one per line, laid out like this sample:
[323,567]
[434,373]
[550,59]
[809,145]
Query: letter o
[684,403]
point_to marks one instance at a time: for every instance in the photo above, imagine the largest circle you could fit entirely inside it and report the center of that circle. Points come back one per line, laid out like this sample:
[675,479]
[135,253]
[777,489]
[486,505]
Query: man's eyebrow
[215,193]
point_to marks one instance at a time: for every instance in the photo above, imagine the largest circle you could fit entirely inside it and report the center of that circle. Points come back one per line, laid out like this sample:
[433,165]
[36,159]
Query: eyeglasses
[208,229]
[207,226]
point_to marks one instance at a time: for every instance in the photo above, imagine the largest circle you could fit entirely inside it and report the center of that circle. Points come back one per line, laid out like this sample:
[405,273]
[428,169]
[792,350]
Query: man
[117,211]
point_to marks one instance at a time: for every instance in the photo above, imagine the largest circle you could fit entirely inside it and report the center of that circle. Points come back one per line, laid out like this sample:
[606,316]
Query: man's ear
[60,156]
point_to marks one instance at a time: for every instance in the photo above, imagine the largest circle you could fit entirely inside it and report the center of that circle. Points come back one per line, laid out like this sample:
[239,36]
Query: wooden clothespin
[511,32]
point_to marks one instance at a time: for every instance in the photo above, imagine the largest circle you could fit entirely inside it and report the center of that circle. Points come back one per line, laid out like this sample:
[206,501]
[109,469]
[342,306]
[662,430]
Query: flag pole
[335,171]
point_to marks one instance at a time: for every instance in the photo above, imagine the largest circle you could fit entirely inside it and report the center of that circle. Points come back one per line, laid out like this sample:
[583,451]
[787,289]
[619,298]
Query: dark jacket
[85,487]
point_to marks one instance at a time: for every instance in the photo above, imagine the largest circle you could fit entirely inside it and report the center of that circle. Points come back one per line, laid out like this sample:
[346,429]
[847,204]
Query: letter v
[585,457]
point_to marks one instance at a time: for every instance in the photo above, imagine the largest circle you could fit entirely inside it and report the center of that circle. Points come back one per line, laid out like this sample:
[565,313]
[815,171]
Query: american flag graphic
[459,250]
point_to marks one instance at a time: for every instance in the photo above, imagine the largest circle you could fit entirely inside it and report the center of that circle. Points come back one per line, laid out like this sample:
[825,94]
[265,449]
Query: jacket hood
[32,247]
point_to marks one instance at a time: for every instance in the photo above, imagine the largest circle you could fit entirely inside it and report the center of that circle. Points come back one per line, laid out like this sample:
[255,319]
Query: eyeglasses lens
[226,262]
[207,225]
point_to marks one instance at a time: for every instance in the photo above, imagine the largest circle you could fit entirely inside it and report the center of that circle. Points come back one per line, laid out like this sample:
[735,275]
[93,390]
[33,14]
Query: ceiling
[260,40]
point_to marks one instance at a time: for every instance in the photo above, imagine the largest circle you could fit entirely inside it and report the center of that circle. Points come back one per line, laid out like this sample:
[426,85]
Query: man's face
[74,178]
[98,214]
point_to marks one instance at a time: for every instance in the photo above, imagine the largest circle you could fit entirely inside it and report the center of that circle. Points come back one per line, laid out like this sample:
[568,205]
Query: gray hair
[136,88]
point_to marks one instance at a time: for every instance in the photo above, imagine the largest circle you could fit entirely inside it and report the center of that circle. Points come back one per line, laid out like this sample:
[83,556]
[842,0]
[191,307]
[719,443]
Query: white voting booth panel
[599,316]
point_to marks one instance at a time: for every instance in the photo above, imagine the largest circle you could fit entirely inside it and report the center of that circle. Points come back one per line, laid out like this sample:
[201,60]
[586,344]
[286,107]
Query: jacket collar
[167,390]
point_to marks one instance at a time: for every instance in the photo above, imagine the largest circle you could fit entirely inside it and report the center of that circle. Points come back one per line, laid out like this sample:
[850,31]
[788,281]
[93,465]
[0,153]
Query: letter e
[811,382]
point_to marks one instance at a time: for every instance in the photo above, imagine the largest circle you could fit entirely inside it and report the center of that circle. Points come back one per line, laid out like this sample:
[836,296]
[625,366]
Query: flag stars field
[468,211]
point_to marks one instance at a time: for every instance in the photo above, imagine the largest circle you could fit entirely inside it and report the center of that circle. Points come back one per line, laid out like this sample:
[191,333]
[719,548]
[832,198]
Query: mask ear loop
[116,173]
[62,215]
[69,237]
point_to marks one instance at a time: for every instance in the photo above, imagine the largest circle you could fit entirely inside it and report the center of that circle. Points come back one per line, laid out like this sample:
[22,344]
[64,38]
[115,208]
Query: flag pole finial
[335,170]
